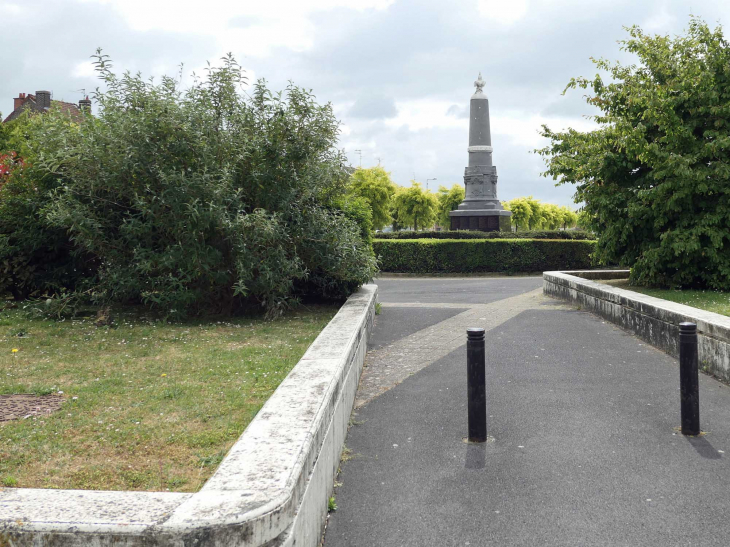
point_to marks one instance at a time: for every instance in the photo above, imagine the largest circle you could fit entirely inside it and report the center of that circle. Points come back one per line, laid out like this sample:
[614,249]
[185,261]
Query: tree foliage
[415,207]
[198,200]
[448,200]
[655,175]
[375,186]
[36,257]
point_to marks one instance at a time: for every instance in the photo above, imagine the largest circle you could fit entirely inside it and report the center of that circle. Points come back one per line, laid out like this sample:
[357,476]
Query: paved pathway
[583,416]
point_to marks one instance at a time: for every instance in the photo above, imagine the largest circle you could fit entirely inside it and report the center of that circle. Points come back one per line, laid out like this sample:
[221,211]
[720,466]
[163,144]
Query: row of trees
[417,208]
[411,207]
[529,213]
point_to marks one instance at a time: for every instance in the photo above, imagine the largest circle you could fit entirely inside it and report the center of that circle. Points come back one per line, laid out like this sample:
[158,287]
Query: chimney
[18,101]
[85,104]
[43,99]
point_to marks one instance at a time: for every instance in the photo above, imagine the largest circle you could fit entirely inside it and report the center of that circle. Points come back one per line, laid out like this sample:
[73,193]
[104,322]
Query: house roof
[71,109]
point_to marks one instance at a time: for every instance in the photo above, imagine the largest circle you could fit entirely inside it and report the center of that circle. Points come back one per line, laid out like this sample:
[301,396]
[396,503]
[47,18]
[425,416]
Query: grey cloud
[243,21]
[458,111]
[410,51]
[42,51]
[373,107]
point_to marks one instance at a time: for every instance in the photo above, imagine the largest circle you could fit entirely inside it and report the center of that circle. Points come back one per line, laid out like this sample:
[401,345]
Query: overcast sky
[398,73]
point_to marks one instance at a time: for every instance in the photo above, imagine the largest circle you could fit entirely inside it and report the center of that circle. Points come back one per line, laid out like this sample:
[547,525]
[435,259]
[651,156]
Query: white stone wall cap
[714,323]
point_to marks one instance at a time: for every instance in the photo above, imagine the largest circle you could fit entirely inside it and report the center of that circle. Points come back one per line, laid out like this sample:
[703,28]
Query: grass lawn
[715,301]
[148,405]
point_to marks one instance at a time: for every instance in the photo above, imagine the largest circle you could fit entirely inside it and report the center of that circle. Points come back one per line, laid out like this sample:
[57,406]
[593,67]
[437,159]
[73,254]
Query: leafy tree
[521,213]
[552,216]
[374,185]
[397,222]
[448,200]
[584,220]
[416,207]
[569,218]
[655,175]
[538,217]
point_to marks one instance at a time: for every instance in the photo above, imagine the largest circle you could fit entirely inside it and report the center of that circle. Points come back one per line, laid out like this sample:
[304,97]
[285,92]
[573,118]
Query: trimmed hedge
[466,234]
[482,255]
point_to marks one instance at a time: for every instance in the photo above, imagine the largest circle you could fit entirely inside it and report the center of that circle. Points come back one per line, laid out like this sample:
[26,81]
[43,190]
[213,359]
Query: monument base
[482,221]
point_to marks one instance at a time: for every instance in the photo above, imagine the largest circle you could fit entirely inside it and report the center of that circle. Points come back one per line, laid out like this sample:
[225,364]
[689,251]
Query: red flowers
[8,163]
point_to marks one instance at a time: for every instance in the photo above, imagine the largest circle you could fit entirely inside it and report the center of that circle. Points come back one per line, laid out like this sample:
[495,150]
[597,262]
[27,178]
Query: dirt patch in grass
[714,301]
[25,405]
[146,405]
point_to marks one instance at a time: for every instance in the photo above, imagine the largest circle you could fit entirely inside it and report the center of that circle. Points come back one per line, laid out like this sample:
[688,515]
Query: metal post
[476,385]
[688,379]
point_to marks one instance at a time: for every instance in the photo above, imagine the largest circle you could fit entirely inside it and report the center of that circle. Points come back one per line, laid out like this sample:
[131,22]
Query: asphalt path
[583,417]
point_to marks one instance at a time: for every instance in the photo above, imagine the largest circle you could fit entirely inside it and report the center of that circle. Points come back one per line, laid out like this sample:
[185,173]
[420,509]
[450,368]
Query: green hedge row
[484,255]
[466,234]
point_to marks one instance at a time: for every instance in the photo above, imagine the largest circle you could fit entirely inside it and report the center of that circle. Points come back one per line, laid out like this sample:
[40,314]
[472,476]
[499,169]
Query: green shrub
[466,234]
[482,255]
[202,200]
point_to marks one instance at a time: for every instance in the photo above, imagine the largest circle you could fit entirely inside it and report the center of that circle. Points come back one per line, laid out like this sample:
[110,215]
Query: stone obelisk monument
[480,210]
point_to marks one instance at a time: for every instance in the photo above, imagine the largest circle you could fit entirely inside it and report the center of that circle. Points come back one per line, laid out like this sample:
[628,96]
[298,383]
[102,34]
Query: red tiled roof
[71,109]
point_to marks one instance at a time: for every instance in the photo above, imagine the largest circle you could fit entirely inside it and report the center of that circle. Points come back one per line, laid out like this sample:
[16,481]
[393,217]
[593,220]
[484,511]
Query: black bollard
[689,389]
[476,385]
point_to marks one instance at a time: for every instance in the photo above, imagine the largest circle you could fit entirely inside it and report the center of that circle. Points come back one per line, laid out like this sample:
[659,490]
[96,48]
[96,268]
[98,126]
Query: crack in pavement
[388,366]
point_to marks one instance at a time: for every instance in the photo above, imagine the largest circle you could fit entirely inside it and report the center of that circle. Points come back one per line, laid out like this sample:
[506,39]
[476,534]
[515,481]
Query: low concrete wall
[270,490]
[652,319]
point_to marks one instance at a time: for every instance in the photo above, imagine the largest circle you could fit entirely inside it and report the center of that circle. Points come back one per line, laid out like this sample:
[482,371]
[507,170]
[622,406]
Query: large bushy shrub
[655,174]
[482,255]
[203,199]
[472,234]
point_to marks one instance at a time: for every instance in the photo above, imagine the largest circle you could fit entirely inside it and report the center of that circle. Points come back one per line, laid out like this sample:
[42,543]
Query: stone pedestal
[483,221]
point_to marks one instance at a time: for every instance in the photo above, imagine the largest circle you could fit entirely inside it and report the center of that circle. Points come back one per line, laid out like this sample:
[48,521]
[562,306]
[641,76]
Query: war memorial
[480,210]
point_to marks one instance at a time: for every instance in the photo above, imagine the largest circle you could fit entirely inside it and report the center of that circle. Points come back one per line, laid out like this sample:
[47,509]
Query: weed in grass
[212,460]
[378,308]
[9,482]
[331,505]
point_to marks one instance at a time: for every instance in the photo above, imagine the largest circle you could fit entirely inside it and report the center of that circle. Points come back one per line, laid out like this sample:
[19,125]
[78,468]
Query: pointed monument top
[479,83]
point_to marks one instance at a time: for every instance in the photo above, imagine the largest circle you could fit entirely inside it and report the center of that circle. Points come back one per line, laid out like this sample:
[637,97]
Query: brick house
[41,102]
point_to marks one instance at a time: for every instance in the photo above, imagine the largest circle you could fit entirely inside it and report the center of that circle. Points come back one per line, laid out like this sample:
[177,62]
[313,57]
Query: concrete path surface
[583,415]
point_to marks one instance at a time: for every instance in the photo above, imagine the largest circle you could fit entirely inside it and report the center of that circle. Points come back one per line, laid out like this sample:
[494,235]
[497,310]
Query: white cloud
[505,12]
[84,69]
[660,22]
[12,9]
[265,25]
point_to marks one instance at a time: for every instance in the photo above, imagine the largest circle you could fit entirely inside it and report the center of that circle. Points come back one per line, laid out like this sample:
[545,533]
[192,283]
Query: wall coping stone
[252,498]
[630,309]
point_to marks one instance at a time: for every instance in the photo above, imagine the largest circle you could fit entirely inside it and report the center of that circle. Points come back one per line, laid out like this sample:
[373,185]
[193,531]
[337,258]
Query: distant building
[42,102]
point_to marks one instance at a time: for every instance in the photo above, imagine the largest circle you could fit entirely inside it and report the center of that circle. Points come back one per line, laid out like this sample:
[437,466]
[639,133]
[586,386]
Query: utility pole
[360,152]
[427,182]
